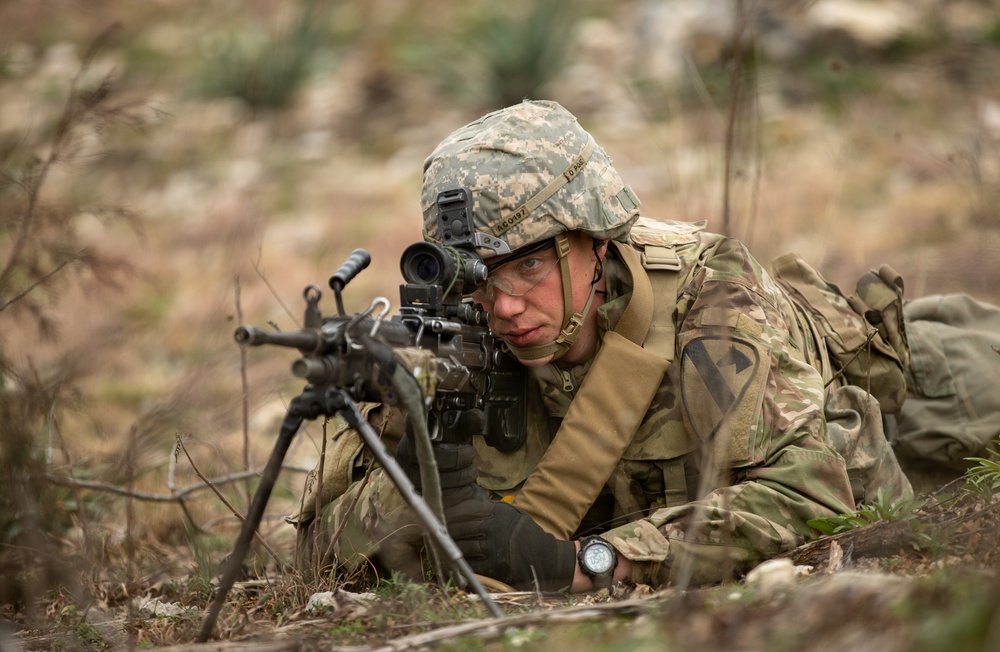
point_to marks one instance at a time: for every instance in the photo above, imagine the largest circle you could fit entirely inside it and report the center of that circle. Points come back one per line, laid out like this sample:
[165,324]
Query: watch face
[599,558]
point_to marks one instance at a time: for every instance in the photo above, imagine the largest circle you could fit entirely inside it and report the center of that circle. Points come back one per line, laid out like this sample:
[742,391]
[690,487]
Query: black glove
[455,467]
[454,462]
[500,541]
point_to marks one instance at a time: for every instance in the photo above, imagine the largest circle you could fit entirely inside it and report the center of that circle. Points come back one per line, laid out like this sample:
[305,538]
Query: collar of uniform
[559,386]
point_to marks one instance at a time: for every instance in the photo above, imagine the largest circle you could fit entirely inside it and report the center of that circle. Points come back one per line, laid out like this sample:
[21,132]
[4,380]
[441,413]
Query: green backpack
[952,410]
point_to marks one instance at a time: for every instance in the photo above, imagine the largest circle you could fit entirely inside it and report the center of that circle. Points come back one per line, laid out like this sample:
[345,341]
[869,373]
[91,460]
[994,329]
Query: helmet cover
[533,172]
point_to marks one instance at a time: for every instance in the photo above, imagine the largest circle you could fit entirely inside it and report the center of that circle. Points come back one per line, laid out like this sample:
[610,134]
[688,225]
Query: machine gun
[479,388]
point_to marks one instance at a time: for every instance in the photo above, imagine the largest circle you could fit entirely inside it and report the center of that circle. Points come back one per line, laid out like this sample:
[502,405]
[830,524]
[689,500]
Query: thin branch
[33,186]
[190,517]
[131,584]
[702,90]
[245,396]
[735,100]
[758,151]
[236,512]
[865,348]
[173,497]
[260,272]
[23,293]
[317,507]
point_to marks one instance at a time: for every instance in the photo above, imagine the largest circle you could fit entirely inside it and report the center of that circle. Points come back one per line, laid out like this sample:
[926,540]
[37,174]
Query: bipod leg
[432,526]
[288,429]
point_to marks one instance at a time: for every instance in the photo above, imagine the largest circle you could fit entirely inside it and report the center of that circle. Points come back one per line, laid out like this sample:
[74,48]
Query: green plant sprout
[881,509]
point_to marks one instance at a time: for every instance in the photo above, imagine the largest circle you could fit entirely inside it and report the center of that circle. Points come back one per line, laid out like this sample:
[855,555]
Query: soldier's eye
[529,264]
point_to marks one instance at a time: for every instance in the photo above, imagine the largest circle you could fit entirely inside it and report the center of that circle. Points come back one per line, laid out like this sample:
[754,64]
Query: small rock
[158,609]
[340,600]
[771,577]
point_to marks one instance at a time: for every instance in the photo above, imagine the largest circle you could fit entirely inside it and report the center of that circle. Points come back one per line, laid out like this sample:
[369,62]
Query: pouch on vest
[871,355]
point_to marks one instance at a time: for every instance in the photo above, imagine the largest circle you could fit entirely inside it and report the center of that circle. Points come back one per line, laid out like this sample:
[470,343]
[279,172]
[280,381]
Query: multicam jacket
[733,456]
[745,439]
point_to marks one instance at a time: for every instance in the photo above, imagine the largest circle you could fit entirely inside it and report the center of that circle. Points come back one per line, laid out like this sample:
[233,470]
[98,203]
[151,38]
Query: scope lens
[426,268]
[425,263]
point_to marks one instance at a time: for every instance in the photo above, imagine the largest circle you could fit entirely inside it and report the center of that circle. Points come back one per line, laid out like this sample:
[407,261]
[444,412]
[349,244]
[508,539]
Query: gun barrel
[316,370]
[302,340]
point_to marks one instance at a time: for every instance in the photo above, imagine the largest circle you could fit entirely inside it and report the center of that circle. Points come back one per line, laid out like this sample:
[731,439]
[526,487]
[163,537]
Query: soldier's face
[536,317]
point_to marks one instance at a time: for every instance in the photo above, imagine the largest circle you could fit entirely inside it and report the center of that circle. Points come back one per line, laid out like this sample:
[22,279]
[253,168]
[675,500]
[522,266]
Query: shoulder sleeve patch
[722,380]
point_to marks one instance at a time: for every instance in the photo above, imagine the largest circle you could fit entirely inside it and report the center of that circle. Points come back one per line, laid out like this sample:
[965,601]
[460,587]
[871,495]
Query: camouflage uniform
[745,439]
[685,502]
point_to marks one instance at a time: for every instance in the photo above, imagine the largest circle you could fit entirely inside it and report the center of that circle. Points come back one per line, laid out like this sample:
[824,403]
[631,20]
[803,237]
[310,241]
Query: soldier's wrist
[583,581]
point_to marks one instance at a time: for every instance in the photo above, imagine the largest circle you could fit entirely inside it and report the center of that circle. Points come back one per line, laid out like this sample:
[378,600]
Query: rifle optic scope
[456,269]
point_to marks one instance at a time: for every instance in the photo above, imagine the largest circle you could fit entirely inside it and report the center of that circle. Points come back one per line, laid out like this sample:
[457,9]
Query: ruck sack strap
[601,420]
[665,265]
[857,349]
[823,299]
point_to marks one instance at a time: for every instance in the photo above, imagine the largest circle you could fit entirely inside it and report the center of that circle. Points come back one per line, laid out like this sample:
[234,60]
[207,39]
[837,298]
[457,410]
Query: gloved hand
[455,466]
[500,541]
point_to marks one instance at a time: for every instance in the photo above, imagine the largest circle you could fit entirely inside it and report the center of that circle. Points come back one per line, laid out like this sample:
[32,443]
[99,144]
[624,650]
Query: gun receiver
[480,388]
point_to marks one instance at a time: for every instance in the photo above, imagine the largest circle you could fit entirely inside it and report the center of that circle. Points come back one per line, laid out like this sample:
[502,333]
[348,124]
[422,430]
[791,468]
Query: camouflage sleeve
[766,464]
[736,527]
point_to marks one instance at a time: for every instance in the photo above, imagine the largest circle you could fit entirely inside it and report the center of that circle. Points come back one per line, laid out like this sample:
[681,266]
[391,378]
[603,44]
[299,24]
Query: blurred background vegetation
[170,168]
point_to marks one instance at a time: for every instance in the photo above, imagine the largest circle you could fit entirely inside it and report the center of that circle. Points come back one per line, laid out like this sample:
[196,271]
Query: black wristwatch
[598,560]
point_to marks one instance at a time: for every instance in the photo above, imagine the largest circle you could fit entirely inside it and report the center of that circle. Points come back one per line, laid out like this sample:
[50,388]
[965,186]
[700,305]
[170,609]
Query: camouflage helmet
[533,173]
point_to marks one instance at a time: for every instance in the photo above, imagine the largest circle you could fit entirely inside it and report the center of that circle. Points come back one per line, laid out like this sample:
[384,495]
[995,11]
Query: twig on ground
[495,628]
[868,541]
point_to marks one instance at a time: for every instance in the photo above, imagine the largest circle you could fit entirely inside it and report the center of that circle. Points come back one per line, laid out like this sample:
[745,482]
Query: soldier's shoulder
[648,231]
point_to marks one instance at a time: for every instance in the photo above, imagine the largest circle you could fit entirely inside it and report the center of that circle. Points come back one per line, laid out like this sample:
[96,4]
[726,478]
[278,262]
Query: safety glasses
[519,274]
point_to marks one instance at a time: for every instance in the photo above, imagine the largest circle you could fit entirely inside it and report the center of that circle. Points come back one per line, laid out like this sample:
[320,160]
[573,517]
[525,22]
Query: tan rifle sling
[611,404]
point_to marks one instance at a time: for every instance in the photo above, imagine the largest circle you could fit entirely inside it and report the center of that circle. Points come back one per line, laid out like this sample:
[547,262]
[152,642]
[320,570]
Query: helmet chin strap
[572,321]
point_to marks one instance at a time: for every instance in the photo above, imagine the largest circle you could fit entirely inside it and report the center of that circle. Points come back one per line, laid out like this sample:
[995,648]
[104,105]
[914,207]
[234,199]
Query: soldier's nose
[506,307]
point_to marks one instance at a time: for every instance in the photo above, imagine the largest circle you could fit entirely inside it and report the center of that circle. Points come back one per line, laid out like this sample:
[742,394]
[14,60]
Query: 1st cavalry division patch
[721,383]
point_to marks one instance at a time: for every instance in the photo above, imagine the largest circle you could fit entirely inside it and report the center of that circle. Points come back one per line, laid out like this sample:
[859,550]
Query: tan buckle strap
[666,267]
